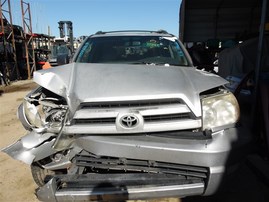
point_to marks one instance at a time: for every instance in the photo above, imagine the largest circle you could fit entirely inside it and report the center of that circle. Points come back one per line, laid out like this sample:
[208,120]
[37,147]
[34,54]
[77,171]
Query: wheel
[40,174]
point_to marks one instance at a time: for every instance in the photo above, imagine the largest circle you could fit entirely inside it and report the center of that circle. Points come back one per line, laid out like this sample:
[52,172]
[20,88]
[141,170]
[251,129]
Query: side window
[85,52]
[179,54]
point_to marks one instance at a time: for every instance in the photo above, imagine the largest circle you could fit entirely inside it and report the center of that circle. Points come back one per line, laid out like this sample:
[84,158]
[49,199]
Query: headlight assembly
[219,110]
[42,111]
[32,114]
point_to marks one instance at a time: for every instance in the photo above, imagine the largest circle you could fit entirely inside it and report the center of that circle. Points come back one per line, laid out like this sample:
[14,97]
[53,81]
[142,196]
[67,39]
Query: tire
[41,175]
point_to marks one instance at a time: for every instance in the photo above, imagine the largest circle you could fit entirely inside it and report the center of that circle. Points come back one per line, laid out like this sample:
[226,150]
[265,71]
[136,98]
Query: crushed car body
[130,118]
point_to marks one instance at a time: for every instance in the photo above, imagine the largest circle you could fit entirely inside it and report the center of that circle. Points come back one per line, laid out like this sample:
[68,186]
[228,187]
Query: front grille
[122,165]
[95,121]
[106,117]
[130,104]
[169,117]
[156,118]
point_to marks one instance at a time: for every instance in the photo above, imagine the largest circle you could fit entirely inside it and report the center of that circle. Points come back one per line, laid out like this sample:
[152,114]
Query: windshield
[60,49]
[133,50]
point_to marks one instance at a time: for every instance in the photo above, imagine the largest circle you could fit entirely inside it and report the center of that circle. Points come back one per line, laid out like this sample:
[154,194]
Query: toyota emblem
[129,121]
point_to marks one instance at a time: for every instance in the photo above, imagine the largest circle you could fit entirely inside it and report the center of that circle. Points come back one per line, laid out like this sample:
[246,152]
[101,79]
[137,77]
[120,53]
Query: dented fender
[32,147]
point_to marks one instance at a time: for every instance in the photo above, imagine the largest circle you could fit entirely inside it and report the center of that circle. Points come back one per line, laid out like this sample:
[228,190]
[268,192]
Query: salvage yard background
[16,183]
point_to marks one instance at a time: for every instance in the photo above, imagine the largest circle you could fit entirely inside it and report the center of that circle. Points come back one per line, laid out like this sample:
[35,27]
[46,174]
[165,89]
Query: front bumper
[213,153]
[31,147]
[118,187]
[224,148]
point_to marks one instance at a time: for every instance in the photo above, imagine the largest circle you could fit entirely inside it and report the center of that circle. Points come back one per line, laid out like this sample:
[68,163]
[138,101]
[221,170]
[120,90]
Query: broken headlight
[32,115]
[220,110]
[43,109]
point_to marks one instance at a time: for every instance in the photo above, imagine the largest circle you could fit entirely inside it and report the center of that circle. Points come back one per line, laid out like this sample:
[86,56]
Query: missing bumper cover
[118,187]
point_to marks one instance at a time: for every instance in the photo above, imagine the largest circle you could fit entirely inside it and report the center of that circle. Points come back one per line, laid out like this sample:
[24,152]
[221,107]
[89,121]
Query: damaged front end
[44,114]
[129,164]
[117,167]
[66,172]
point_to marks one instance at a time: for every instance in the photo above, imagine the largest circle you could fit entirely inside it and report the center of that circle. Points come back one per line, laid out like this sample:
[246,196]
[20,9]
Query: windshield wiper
[139,62]
[153,63]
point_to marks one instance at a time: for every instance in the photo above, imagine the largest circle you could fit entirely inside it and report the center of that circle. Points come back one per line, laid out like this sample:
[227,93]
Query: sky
[90,16]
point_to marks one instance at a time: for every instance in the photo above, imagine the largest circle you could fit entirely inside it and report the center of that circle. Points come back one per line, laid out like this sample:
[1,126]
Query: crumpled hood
[81,82]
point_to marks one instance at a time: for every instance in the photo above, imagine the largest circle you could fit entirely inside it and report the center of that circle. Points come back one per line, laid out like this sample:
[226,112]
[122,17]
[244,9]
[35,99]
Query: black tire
[41,175]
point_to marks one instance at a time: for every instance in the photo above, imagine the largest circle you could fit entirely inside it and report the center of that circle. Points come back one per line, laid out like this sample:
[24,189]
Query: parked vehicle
[62,48]
[130,118]
[60,53]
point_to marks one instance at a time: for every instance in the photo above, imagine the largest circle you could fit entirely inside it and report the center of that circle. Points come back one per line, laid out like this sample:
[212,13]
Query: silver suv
[130,118]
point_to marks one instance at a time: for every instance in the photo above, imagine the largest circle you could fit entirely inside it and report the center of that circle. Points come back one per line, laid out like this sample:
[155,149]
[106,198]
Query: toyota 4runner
[129,118]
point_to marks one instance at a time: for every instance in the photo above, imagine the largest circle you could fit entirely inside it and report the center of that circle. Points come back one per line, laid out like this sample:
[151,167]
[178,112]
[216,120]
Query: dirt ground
[16,183]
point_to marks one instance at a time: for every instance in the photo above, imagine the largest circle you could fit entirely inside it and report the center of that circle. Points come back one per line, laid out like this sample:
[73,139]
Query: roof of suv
[132,32]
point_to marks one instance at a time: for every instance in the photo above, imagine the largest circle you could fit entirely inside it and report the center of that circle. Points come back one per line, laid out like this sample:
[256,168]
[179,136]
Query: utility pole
[28,34]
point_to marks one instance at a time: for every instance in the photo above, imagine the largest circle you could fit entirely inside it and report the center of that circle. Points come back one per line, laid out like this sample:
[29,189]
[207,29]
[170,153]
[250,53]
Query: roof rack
[158,31]
[161,31]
